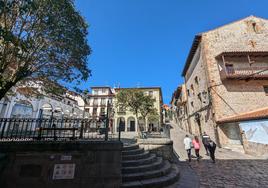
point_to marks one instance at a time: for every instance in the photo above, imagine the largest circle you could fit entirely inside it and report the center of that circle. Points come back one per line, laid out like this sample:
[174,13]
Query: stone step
[159,182]
[143,168]
[143,155]
[150,159]
[133,152]
[164,170]
[131,147]
[235,147]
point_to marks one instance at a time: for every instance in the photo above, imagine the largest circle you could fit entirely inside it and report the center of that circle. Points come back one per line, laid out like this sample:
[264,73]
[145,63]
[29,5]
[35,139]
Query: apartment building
[97,101]
[129,122]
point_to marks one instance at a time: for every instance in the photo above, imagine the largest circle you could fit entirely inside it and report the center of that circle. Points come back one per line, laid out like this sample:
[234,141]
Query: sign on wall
[256,131]
[63,171]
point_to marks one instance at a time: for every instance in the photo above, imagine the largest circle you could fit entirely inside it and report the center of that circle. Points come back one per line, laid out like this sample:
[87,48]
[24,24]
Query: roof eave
[195,44]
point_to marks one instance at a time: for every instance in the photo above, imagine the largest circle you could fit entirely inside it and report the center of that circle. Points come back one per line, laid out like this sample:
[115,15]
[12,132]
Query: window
[254,26]
[94,111]
[95,102]
[102,111]
[121,108]
[196,80]
[188,92]
[265,88]
[96,92]
[103,101]
[192,88]
[192,103]
[151,93]
[103,90]
[199,97]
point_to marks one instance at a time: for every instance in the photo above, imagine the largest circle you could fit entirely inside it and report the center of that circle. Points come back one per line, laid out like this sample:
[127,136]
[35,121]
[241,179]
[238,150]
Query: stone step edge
[130,147]
[136,155]
[169,179]
[138,168]
[164,170]
[138,150]
[139,161]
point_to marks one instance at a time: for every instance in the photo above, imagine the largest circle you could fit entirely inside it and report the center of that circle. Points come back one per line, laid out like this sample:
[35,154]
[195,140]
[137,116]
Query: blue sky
[146,42]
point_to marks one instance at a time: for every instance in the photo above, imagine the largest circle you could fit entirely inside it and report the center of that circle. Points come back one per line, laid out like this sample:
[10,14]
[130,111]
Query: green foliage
[41,40]
[137,102]
[130,99]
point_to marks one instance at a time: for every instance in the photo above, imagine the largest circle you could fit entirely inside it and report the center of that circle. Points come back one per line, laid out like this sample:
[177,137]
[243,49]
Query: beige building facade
[128,119]
[226,76]
[179,108]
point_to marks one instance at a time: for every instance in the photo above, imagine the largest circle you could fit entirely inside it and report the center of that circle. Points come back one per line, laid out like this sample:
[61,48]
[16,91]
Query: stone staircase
[142,169]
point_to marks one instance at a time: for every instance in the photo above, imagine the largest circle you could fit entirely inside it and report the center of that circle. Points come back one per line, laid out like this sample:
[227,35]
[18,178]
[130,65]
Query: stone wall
[59,164]
[160,146]
[257,149]
[198,100]
[229,96]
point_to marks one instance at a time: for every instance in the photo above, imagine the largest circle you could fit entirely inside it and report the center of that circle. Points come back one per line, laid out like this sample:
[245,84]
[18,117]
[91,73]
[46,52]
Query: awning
[261,113]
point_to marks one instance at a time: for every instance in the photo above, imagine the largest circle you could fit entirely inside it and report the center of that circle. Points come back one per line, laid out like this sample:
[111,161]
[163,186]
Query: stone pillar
[125,124]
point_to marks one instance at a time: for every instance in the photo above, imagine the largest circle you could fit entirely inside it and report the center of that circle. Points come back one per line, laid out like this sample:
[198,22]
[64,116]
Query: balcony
[121,113]
[260,73]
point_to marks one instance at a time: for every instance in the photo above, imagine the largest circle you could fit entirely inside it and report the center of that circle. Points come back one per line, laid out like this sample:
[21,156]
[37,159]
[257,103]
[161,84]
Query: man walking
[187,145]
[205,138]
[211,147]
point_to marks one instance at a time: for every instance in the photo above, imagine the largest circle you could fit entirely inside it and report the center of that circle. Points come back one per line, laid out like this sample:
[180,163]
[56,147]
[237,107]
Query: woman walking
[196,144]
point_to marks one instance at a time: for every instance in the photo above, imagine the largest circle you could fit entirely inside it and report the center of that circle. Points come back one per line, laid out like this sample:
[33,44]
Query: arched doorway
[121,123]
[22,109]
[131,124]
[153,123]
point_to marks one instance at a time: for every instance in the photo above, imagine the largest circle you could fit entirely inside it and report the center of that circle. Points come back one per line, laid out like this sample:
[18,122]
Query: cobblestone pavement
[232,169]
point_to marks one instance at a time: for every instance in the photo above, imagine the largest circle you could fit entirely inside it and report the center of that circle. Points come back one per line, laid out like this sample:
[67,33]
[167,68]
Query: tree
[147,107]
[137,102]
[42,40]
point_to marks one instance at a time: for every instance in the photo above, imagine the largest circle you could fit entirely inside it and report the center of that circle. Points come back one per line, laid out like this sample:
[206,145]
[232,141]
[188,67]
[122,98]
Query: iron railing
[53,129]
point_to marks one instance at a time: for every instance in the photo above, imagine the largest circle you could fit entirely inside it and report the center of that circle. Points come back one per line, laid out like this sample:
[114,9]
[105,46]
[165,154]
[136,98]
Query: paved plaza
[232,169]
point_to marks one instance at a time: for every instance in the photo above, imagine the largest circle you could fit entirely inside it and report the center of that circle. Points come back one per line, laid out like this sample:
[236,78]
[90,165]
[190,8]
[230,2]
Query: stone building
[23,105]
[179,108]
[226,76]
[128,119]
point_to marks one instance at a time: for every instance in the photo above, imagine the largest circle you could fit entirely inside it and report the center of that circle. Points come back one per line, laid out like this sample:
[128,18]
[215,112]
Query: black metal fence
[53,129]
